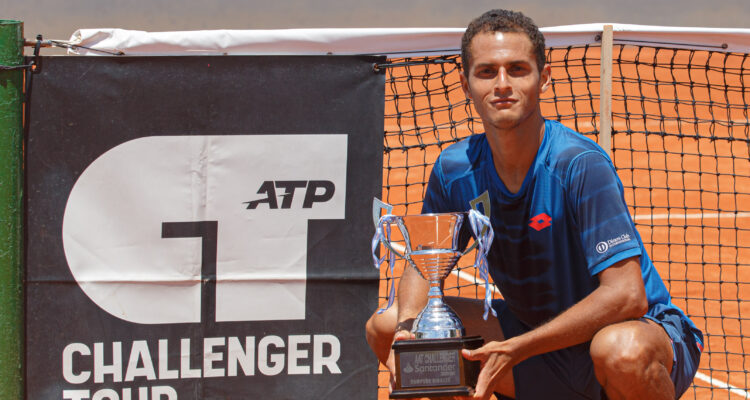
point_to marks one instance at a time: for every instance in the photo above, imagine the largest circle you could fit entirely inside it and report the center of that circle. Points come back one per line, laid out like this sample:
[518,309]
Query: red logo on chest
[540,221]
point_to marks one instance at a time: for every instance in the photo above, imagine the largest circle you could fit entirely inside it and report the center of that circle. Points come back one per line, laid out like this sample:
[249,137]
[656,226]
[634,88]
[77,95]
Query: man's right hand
[402,334]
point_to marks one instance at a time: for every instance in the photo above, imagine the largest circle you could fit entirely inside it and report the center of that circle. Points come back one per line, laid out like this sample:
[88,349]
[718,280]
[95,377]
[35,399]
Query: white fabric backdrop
[390,41]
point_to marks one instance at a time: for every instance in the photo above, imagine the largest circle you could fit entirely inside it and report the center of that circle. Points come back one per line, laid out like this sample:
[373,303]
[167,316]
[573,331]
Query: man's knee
[630,348]
[471,313]
[371,330]
[376,325]
[616,348]
[379,331]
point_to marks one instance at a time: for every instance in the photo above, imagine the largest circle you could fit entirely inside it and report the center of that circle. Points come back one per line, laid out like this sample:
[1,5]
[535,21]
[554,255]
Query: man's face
[504,81]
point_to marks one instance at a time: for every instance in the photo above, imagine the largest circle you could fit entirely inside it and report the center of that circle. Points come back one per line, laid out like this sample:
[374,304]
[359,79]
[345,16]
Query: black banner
[199,227]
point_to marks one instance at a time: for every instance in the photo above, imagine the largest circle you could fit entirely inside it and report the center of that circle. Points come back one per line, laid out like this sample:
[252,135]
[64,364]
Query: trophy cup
[431,365]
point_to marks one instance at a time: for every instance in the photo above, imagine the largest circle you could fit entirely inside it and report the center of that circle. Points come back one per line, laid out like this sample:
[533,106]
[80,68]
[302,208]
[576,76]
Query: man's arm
[412,297]
[620,296]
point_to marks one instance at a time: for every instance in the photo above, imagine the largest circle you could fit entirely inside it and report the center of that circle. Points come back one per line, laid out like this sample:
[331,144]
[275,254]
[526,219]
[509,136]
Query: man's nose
[501,81]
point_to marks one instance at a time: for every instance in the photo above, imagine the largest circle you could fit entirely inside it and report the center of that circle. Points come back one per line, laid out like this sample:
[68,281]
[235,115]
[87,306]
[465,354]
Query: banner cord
[34,67]
[62,44]
[425,61]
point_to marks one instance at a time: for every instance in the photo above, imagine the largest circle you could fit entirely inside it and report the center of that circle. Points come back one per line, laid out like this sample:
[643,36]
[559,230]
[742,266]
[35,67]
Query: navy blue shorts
[569,373]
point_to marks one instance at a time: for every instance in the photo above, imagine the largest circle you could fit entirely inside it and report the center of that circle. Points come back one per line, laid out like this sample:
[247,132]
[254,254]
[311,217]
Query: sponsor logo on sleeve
[603,247]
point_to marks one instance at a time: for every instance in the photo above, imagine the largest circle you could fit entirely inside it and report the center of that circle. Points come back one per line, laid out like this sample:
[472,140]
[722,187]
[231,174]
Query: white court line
[692,216]
[471,279]
[722,385]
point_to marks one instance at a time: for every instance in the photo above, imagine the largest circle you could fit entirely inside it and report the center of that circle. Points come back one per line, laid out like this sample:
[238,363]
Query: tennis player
[585,314]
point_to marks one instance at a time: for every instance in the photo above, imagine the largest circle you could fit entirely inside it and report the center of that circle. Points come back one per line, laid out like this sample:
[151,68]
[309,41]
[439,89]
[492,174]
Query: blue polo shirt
[568,222]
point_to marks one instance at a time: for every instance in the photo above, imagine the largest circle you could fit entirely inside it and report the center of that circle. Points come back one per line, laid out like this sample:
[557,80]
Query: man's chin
[508,121]
[505,123]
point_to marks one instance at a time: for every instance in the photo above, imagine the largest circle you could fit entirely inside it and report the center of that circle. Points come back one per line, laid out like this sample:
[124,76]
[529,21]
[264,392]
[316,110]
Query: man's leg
[379,332]
[633,360]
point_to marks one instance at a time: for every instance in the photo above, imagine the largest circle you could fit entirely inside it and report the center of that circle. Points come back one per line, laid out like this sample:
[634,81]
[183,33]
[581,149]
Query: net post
[11,211]
[605,90]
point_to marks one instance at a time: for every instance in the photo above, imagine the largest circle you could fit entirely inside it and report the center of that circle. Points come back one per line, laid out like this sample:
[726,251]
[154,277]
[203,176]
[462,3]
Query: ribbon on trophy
[381,236]
[483,236]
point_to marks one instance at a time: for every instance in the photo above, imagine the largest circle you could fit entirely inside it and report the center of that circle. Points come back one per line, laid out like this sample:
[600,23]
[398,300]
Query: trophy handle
[484,200]
[377,210]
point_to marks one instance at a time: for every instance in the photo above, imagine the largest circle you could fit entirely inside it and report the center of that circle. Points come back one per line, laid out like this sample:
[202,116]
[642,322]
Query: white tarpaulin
[390,41]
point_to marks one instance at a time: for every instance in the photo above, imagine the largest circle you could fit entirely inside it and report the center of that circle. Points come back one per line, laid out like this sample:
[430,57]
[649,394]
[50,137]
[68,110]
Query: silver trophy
[432,365]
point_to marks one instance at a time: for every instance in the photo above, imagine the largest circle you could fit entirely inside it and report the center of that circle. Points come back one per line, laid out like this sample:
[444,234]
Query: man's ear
[465,85]
[545,78]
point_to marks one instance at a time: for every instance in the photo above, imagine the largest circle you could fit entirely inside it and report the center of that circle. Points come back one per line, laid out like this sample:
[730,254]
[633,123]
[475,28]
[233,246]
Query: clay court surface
[680,145]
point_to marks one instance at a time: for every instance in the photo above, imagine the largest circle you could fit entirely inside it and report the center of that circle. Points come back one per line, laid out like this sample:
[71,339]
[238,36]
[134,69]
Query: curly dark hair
[503,21]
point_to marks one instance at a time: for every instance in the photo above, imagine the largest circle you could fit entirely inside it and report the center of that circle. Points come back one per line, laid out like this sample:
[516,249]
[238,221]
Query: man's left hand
[497,360]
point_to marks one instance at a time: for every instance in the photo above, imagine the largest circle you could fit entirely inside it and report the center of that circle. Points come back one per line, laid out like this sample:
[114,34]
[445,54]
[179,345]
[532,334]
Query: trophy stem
[437,320]
[435,293]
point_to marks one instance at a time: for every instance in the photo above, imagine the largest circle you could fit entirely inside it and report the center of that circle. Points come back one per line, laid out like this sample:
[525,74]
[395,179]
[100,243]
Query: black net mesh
[680,143]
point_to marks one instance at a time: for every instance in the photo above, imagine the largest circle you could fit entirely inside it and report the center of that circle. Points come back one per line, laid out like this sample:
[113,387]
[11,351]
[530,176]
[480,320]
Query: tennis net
[680,142]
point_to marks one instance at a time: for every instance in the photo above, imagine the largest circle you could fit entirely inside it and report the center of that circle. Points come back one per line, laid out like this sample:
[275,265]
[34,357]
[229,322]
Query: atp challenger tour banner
[199,227]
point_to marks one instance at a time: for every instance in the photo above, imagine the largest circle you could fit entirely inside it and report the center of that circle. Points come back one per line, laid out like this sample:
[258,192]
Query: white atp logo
[155,230]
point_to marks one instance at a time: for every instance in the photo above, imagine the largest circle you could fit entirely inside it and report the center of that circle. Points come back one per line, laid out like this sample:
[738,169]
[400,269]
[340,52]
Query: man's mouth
[503,103]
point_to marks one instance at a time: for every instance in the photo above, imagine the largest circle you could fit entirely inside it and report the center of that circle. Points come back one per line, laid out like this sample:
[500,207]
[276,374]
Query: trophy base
[435,367]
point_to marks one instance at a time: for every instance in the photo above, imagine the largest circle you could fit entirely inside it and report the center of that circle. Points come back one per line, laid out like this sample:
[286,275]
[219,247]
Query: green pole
[11,212]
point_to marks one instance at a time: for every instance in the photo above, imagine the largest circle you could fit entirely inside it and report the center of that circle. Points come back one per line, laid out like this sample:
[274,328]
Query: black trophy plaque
[435,367]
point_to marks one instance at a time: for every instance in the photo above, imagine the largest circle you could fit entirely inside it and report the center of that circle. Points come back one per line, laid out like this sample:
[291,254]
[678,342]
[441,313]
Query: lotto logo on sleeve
[171,229]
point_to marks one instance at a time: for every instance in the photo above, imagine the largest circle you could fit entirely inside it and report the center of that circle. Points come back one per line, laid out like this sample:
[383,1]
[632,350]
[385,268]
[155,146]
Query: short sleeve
[596,197]
[435,200]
